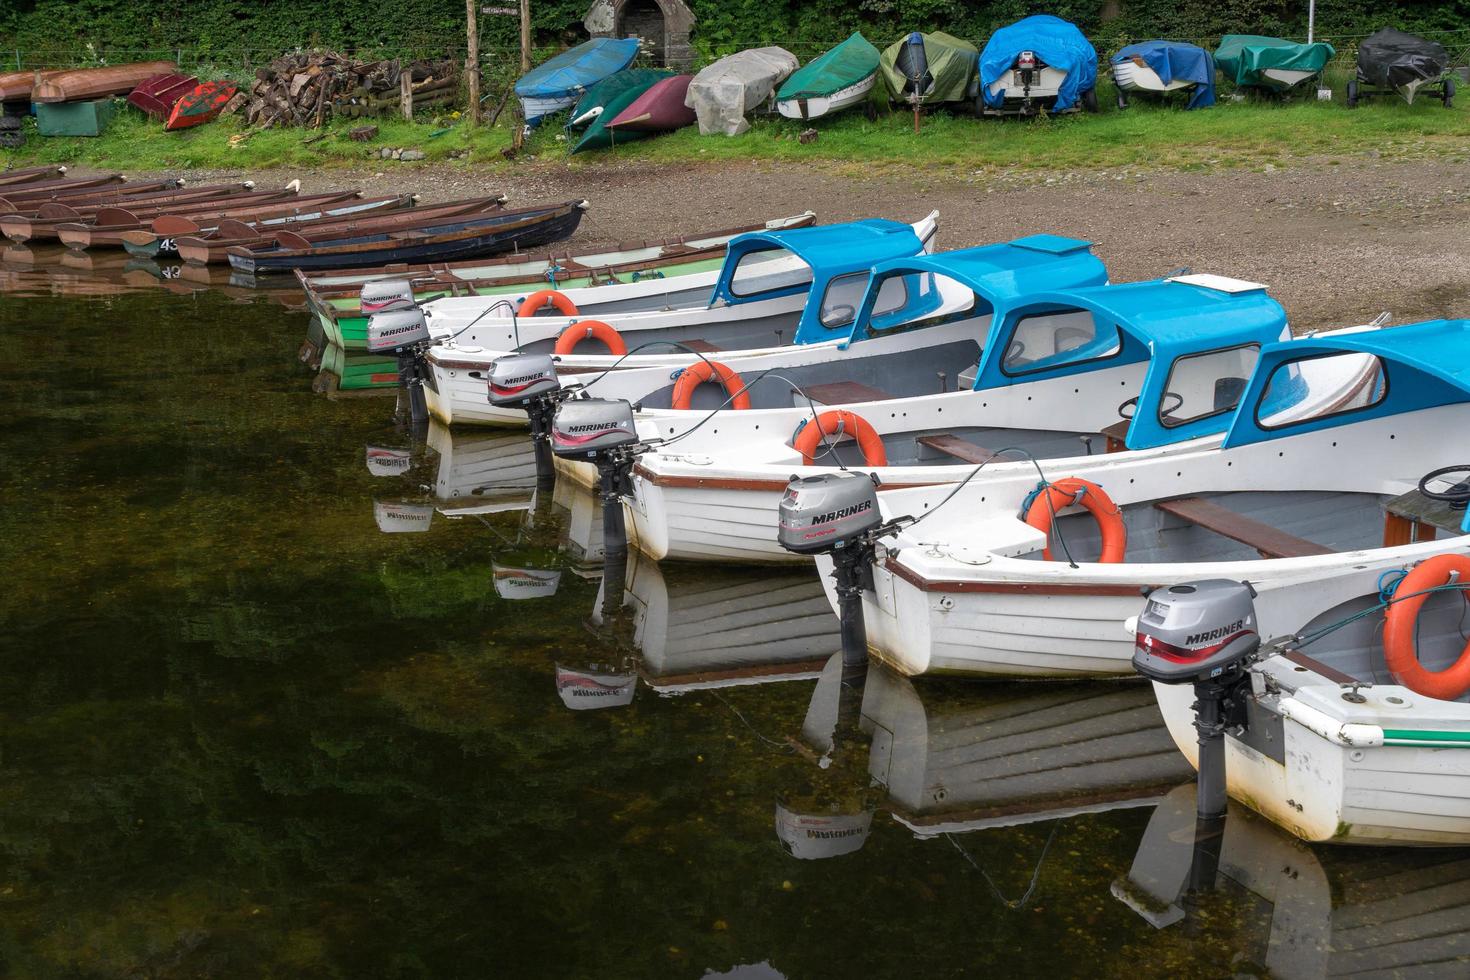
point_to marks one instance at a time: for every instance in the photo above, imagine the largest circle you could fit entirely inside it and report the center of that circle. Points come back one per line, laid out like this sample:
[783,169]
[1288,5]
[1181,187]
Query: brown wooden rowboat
[144,241]
[96,83]
[85,204]
[29,175]
[203,251]
[19,228]
[110,225]
[16,86]
[70,187]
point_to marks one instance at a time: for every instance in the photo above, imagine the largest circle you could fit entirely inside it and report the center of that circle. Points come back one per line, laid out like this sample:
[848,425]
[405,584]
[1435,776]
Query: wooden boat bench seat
[702,346]
[1269,541]
[958,448]
[842,393]
[1116,435]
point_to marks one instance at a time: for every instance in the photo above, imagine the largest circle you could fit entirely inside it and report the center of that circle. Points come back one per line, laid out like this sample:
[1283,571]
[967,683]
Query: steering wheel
[1165,409]
[838,315]
[1457,496]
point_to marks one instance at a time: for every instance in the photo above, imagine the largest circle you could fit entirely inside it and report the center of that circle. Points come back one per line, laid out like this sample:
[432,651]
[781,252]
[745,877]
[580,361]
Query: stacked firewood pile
[307,87]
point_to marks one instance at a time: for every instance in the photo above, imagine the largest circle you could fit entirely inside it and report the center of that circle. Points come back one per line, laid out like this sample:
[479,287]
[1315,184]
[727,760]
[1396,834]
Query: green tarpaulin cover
[845,65]
[1242,57]
[597,136]
[951,64]
[611,87]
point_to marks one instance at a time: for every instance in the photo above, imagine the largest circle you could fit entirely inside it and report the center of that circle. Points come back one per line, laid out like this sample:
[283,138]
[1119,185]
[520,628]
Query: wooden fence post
[405,93]
[525,36]
[472,61]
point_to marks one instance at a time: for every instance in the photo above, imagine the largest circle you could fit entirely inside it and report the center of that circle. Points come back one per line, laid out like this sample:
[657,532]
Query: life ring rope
[834,422]
[1400,626]
[1049,499]
[698,373]
[542,298]
[575,333]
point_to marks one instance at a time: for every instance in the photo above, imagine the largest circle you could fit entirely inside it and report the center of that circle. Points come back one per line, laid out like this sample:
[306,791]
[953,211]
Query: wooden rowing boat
[108,231]
[456,238]
[15,198]
[95,83]
[160,239]
[29,175]
[200,105]
[203,251]
[20,228]
[16,86]
[157,96]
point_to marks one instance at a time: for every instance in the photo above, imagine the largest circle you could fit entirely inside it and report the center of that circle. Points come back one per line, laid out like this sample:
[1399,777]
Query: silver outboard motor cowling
[820,513]
[404,333]
[1203,633]
[529,382]
[601,431]
[385,295]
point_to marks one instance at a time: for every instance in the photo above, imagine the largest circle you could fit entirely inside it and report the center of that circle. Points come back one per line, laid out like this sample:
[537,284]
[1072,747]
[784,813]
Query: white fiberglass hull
[1130,76]
[827,104]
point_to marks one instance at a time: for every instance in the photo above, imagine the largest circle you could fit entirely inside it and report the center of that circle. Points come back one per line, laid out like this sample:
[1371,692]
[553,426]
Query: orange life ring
[1399,627]
[1063,493]
[698,373]
[537,302]
[828,424]
[596,330]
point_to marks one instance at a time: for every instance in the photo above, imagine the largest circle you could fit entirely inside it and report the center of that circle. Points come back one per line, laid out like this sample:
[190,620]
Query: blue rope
[1386,589]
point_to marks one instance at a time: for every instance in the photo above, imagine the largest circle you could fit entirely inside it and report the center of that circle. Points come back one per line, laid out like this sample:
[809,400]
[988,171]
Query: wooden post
[525,36]
[472,62]
[405,93]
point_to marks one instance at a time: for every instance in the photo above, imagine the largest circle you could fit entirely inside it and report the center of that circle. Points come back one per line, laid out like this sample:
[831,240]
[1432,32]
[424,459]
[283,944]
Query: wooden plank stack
[306,87]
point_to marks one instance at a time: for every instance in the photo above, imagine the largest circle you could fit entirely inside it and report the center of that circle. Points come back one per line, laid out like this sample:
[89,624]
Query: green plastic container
[74,118]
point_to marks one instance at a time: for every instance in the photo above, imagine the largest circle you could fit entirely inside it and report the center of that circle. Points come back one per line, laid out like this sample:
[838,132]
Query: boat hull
[816,107]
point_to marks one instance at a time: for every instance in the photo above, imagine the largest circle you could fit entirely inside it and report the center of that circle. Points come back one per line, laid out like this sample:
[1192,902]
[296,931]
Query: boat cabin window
[1312,388]
[1202,385]
[927,300]
[845,293]
[1058,338]
[768,270]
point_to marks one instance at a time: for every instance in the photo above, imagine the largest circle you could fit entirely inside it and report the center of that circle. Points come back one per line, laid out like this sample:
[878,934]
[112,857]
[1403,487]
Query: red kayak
[659,109]
[201,105]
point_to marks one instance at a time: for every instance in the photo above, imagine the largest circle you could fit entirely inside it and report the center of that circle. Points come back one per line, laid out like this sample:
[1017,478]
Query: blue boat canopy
[1058,43]
[992,276]
[1175,60]
[1394,371]
[1199,335]
[566,74]
[766,264]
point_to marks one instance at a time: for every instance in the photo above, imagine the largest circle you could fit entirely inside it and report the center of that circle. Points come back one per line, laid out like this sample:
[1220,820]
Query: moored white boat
[1302,479]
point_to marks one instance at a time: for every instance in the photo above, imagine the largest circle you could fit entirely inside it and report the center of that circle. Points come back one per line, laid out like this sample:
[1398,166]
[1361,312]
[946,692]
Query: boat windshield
[1059,338]
[1204,385]
[844,294]
[1309,389]
[768,270]
[928,299]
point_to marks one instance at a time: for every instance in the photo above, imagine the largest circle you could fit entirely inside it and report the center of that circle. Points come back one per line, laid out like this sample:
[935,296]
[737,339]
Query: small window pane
[1321,387]
[768,270]
[1202,385]
[1049,340]
[844,293]
[926,299]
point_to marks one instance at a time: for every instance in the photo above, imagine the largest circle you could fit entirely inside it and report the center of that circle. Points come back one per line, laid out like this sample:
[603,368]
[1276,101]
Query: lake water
[269,713]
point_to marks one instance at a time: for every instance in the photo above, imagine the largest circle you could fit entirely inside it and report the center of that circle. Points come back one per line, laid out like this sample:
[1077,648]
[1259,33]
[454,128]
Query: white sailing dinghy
[1004,580]
[1055,366]
[757,306]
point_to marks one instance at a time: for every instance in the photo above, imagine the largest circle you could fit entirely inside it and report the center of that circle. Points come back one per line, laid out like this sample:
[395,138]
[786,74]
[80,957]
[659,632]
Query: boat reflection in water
[1326,912]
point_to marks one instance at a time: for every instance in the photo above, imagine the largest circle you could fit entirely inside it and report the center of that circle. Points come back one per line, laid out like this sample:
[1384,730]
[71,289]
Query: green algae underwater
[246,734]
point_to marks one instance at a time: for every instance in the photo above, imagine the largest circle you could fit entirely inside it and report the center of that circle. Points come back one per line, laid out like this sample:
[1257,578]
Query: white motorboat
[1294,498]
[1158,68]
[776,290]
[1055,366]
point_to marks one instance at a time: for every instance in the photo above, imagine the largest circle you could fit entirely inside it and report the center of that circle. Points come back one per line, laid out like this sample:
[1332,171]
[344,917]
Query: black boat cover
[1392,58]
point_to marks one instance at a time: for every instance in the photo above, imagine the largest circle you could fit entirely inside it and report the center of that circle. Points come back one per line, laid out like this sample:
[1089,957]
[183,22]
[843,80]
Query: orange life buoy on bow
[1399,628]
[828,423]
[701,371]
[593,329]
[538,301]
[1074,490]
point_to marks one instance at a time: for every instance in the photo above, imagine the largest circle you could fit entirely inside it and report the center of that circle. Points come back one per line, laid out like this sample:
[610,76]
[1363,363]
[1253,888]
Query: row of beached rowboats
[1005,463]
[260,231]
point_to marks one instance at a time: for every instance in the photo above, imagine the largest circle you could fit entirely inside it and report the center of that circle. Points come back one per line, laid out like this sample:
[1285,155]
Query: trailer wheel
[1352,95]
[1449,93]
[1089,100]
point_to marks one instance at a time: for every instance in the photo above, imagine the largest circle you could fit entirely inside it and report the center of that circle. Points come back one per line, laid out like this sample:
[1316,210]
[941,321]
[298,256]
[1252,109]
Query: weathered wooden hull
[161,241]
[96,83]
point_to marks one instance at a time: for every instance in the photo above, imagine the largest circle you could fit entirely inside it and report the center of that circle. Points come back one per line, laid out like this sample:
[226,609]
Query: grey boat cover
[723,93]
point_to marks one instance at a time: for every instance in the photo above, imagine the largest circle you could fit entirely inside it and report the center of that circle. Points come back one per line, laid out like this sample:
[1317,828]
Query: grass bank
[1251,134]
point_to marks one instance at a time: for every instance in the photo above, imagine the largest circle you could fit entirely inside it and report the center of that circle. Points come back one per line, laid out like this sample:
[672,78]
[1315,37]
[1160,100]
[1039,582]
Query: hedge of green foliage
[79,31]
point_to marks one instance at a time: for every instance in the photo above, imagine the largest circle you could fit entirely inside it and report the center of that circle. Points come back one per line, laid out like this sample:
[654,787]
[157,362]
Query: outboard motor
[406,334]
[837,514]
[601,431]
[385,296]
[529,382]
[1205,634]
